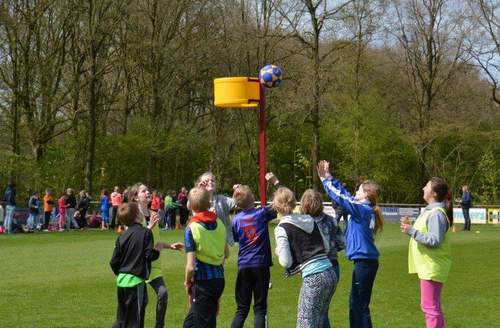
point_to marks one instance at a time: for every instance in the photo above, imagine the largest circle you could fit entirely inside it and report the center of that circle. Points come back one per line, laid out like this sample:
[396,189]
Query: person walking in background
[364,223]
[116,200]
[173,210]
[71,209]
[429,249]
[168,203]
[9,201]
[34,211]
[62,205]
[155,201]
[104,206]
[466,204]
[83,207]
[48,207]
[183,210]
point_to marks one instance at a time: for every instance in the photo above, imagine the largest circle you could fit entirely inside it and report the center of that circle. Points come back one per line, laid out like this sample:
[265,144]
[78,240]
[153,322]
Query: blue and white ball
[270,76]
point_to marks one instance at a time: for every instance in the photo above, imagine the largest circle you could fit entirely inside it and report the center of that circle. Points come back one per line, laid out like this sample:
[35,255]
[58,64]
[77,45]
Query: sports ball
[270,76]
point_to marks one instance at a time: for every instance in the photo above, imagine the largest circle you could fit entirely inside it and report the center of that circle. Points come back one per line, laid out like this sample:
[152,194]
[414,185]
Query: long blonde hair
[372,191]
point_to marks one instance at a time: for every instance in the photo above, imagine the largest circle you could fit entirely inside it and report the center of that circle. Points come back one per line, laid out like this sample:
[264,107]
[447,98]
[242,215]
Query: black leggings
[162,299]
[47,219]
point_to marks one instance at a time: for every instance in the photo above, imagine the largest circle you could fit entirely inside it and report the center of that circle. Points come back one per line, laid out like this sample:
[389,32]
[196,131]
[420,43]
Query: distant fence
[393,212]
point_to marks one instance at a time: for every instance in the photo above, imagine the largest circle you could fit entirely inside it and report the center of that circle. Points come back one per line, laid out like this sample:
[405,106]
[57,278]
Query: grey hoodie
[303,222]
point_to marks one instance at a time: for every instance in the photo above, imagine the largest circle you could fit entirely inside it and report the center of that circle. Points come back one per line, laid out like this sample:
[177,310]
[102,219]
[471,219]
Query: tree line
[97,93]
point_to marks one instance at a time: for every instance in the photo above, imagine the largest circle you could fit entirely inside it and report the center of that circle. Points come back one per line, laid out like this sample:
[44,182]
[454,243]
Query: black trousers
[171,215]
[82,220]
[251,281]
[47,219]
[114,210]
[203,311]
[132,303]
[160,289]
[183,215]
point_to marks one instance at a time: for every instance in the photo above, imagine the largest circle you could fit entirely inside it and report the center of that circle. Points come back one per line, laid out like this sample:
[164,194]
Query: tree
[484,43]
[308,22]
[432,48]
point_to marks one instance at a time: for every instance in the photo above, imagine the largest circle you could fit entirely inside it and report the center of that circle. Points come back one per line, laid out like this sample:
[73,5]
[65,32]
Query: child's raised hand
[153,219]
[271,178]
[323,169]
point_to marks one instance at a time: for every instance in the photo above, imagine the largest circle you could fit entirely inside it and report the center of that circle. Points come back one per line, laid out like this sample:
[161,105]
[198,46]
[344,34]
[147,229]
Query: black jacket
[83,204]
[71,201]
[134,252]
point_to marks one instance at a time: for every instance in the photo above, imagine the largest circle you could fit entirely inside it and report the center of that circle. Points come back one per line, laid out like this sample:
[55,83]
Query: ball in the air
[270,76]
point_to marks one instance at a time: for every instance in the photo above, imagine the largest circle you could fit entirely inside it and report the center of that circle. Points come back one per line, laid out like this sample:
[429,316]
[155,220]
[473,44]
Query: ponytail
[372,190]
[448,207]
[379,219]
[443,194]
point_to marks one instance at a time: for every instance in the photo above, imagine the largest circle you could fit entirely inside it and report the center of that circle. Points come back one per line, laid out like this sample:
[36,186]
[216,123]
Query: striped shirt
[203,271]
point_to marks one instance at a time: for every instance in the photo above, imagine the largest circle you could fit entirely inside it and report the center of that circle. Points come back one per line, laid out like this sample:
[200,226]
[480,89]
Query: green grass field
[64,280]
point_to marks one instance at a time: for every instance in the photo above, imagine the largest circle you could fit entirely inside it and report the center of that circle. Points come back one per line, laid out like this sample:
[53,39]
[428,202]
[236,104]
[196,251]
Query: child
[61,202]
[220,204]
[34,210]
[116,200]
[300,248]
[206,248]
[139,194]
[131,263]
[429,250]
[250,230]
[48,205]
[365,221]
[104,202]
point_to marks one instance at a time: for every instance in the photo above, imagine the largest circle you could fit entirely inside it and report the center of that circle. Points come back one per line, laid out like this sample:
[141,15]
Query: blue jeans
[9,215]
[70,218]
[363,277]
[465,211]
[31,223]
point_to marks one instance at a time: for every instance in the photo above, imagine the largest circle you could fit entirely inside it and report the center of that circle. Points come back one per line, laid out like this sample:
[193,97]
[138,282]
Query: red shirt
[116,199]
[155,203]
[62,204]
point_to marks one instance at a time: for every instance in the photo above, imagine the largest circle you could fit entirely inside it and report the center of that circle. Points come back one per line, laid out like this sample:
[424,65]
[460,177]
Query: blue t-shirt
[104,203]
[203,271]
[250,230]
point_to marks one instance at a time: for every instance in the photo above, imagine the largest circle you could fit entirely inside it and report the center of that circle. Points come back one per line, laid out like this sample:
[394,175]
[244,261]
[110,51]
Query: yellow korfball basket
[237,92]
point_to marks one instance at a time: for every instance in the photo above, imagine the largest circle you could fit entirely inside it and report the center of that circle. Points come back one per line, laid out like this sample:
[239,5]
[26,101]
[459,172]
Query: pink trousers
[430,302]
[62,217]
